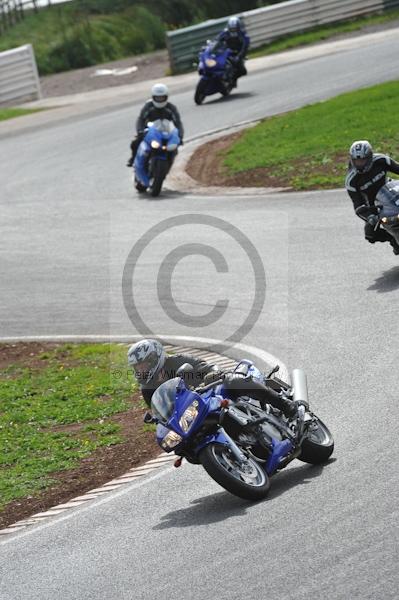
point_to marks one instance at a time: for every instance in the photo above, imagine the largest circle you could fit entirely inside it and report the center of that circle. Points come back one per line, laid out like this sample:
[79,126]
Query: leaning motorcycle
[155,156]
[239,443]
[387,204]
[216,70]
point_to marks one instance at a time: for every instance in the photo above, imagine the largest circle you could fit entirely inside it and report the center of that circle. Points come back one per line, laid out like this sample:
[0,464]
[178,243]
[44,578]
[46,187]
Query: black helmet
[361,156]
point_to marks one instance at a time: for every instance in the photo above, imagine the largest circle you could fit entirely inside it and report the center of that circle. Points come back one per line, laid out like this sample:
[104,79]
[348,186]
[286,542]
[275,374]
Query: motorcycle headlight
[210,62]
[189,416]
[171,440]
[155,144]
[172,147]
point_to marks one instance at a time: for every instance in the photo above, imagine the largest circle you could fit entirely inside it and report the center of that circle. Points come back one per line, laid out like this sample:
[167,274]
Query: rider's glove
[372,220]
[212,376]
[148,418]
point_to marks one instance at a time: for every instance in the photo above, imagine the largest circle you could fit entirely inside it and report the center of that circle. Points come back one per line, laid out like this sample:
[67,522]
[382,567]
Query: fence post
[35,71]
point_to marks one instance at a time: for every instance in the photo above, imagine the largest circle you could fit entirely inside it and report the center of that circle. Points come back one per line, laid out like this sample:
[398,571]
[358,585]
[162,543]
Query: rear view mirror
[186,372]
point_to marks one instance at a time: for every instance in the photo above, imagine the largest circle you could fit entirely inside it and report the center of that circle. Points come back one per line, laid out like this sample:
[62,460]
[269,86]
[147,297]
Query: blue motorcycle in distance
[216,70]
[240,443]
[155,156]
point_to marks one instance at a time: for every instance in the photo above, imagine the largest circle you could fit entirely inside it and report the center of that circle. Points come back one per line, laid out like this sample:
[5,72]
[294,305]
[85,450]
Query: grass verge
[57,408]
[323,33]
[307,148]
[10,113]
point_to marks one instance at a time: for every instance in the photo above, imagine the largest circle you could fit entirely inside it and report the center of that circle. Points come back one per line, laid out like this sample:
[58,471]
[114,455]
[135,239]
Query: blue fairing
[140,164]
[213,75]
[172,401]
[280,451]
[219,437]
[168,142]
[205,404]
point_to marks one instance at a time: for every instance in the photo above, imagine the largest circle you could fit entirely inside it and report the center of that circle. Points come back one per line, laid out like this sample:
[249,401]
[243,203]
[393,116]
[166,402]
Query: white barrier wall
[19,78]
[265,24]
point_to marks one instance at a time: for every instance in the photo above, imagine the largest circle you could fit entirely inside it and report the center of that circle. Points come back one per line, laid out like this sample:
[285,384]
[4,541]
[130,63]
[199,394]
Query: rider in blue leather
[237,40]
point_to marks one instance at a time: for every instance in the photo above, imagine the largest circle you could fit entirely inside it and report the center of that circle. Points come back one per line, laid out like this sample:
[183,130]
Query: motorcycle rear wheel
[227,91]
[247,481]
[318,446]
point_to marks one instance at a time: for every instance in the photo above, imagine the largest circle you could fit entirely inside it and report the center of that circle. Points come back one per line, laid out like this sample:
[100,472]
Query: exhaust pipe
[299,385]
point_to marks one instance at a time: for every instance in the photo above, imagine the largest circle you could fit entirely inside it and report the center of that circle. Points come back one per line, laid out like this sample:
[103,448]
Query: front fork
[223,438]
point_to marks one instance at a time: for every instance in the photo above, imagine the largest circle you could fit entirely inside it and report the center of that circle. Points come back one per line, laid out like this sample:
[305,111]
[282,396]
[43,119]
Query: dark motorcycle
[217,71]
[240,443]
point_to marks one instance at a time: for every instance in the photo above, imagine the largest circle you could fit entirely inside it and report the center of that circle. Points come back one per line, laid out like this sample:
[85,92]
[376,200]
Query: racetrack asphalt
[69,220]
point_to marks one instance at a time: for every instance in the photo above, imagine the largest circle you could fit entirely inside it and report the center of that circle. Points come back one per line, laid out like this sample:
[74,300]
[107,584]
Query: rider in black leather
[153,367]
[157,107]
[367,173]
[238,385]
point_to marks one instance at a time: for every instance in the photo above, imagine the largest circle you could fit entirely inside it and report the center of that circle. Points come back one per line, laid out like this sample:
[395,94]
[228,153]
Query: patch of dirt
[24,353]
[206,167]
[100,467]
[149,66]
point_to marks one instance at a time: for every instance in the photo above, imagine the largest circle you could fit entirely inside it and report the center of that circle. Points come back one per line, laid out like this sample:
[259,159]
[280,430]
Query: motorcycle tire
[159,172]
[200,94]
[318,446]
[223,468]
[227,90]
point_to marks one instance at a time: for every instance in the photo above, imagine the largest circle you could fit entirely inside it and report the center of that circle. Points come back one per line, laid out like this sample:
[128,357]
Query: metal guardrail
[19,79]
[264,25]
[183,44]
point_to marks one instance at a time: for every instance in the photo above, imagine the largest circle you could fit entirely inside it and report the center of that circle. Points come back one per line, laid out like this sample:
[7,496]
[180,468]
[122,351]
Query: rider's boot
[289,407]
[395,246]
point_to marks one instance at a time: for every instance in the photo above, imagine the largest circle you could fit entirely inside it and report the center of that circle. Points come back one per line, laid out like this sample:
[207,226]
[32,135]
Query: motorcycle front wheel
[200,94]
[318,445]
[247,480]
[159,171]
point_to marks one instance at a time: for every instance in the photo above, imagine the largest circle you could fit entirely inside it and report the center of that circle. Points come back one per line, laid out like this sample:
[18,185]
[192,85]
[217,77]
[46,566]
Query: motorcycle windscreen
[387,199]
[164,399]
[164,126]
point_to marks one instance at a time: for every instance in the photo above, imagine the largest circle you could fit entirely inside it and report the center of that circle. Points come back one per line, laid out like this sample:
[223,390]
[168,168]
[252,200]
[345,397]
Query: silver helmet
[361,156]
[234,25]
[159,93]
[147,358]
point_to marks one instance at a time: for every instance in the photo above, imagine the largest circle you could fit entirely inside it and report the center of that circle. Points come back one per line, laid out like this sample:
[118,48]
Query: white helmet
[146,357]
[159,93]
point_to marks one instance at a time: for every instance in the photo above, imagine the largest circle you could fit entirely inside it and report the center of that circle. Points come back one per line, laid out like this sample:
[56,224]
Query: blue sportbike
[216,68]
[155,156]
[240,443]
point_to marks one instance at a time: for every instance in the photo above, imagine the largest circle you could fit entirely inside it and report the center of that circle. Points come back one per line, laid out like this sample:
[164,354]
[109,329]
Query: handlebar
[204,388]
